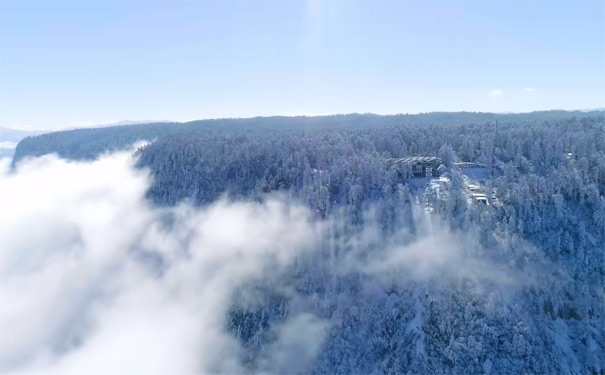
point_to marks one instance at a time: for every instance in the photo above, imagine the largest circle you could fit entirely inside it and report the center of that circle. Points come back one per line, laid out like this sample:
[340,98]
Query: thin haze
[81,63]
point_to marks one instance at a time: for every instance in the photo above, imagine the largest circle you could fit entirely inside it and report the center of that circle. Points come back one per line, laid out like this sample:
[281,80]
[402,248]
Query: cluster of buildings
[431,167]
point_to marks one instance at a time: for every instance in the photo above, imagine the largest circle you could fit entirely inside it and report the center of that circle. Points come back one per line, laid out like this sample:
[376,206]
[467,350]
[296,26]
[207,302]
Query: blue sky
[81,63]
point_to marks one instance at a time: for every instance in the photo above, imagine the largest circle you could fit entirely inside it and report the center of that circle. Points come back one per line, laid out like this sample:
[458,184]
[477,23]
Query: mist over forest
[434,243]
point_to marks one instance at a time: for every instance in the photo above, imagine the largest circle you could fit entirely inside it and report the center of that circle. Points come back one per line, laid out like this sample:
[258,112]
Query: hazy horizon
[137,122]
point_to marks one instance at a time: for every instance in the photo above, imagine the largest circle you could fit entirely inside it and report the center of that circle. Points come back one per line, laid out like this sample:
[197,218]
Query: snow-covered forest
[512,286]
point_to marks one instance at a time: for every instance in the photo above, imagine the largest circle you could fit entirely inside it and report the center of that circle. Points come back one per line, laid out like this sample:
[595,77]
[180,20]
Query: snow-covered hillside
[314,245]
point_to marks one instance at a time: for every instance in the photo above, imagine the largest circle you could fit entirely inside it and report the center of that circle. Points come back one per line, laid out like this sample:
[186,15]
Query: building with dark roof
[421,166]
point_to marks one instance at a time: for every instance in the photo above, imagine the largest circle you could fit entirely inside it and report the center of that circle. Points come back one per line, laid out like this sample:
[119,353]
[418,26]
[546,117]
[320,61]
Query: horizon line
[142,122]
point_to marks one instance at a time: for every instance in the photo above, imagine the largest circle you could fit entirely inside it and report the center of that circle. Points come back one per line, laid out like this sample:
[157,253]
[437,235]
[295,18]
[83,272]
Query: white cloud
[433,254]
[5,164]
[496,93]
[6,145]
[92,280]
[528,89]
[298,344]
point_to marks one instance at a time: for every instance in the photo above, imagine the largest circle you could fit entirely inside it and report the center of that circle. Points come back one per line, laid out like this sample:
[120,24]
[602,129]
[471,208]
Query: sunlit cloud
[89,270]
[496,93]
[528,89]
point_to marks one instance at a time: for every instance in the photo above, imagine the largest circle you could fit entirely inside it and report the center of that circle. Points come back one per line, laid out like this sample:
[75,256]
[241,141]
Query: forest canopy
[520,291]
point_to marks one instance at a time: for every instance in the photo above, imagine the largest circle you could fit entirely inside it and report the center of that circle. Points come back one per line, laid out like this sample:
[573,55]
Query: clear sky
[81,63]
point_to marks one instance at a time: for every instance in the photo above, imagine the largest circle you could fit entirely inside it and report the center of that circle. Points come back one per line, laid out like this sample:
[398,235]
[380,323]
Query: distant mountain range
[592,110]
[117,123]
[131,122]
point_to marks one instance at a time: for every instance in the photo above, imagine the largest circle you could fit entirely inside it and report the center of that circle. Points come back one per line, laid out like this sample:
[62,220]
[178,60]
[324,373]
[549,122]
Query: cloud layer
[95,280]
